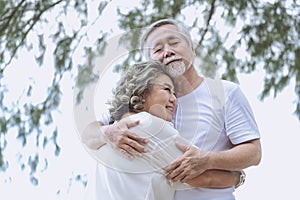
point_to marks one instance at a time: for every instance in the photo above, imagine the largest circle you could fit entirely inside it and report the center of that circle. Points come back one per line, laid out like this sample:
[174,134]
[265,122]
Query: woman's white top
[118,178]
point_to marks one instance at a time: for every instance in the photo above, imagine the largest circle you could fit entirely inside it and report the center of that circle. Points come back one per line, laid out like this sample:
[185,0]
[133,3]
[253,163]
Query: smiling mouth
[170,108]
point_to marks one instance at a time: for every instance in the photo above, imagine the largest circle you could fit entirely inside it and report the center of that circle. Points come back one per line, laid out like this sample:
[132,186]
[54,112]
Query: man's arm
[118,135]
[216,179]
[92,136]
[239,157]
[194,161]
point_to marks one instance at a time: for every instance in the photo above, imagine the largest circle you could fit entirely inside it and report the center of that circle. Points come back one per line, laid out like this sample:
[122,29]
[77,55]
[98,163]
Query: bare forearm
[117,135]
[92,136]
[216,179]
[237,158]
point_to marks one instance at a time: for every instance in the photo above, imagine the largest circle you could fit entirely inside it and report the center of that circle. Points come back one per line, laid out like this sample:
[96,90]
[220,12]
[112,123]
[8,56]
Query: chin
[169,117]
[163,116]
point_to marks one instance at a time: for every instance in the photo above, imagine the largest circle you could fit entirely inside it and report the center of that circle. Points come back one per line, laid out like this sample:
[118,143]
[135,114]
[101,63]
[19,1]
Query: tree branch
[34,20]
[211,12]
[9,18]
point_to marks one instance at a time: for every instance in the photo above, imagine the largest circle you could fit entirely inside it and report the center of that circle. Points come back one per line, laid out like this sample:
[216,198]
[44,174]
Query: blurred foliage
[20,22]
[255,35]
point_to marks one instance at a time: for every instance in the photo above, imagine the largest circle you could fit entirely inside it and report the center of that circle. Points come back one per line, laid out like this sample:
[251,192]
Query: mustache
[171,59]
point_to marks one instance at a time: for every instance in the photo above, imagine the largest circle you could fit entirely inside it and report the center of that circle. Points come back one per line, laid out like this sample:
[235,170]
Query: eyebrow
[166,84]
[172,37]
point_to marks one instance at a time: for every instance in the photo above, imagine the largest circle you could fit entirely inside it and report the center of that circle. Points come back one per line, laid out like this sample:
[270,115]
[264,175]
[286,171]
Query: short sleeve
[240,123]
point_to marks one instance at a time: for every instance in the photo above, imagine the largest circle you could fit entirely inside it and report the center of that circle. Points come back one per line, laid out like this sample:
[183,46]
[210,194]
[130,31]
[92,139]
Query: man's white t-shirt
[214,117]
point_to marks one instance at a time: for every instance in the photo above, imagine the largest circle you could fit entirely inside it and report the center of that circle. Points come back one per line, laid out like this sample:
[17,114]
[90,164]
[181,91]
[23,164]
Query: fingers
[187,167]
[180,177]
[175,174]
[132,124]
[177,171]
[128,143]
[138,139]
[182,173]
[187,176]
[172,166]
[132,144]
[170,169]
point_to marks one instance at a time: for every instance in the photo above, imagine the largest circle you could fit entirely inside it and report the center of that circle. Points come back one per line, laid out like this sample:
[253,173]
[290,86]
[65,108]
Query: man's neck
[188,82]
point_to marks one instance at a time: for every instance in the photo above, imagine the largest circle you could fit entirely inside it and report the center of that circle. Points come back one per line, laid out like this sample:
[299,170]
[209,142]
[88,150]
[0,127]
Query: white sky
[272,179]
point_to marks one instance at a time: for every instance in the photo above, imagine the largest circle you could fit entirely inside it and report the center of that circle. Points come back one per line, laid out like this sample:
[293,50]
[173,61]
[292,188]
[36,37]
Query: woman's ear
[143,97]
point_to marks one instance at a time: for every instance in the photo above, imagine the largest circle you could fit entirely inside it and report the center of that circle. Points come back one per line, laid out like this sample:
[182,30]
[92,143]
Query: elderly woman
[145,94]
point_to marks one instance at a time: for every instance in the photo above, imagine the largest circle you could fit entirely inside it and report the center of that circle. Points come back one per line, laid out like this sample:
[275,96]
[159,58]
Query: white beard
[176,68]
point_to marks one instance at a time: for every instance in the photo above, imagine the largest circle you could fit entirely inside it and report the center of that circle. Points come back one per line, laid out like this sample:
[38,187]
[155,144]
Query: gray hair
[182,28]
[133,86]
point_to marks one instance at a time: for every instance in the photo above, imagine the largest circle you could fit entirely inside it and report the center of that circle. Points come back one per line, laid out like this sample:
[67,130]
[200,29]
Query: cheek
[162,97]
[155,58]
[157,97]
[158,111]
[157,100]
[187,51]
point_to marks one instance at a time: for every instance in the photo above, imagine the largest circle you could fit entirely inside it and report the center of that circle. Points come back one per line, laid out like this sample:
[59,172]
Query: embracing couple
[171,133]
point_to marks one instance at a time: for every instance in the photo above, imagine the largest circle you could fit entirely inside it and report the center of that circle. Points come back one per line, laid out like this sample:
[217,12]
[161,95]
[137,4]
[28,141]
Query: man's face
[167,45]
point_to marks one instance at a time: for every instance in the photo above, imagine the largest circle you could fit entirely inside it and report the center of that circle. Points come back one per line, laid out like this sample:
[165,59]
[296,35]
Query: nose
[173,98]
[167,52]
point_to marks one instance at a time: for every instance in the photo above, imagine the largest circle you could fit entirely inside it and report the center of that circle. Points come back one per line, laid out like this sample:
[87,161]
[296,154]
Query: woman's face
[161,100]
